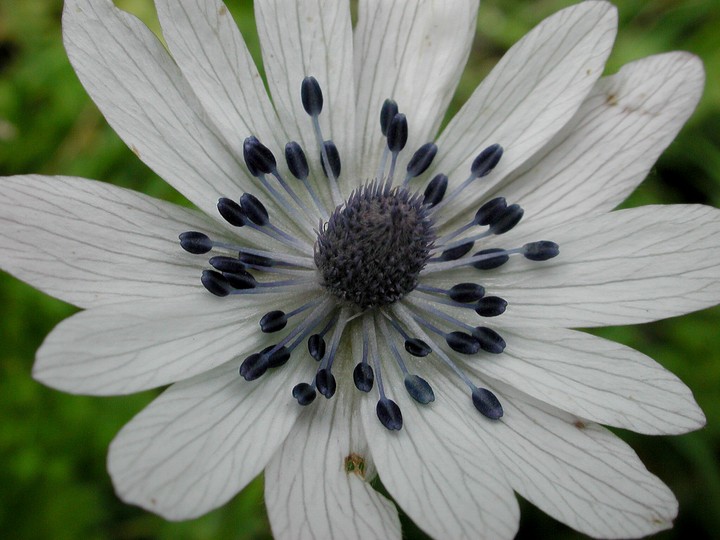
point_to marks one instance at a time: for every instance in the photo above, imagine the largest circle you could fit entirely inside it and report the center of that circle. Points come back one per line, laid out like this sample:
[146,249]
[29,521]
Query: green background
[53,482]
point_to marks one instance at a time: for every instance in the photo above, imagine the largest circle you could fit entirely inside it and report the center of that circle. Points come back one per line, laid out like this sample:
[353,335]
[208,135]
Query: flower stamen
[369,259]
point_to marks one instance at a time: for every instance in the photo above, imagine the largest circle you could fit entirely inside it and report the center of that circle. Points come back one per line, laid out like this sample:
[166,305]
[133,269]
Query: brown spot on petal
[135,150]
[223,10]
[580,425]
[355,464]
[611,100]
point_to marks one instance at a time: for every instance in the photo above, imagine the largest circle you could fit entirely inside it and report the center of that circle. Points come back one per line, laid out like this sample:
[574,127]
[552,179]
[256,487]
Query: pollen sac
[387,113]
[251,259]
[273,321]
[541,251]
[304,393]
[510,217]
[316,346]
[231,212]
[487,403]
[195,242]
[491,306]
[216,283]
[419,389]
[254,366]
[489,340]
[259,159]
[325,382]
[227,264]
[278,358]
[363,377]
[389,414]
[333,157]
[311,95]
[456,252]
[435,191]
[490,211]
[239,280]
[496,258]
[486,160]
[296,160]
[397,133]
[372,249]
[462,342]
[254,209]
[421,159]
[417,347]
[466,293]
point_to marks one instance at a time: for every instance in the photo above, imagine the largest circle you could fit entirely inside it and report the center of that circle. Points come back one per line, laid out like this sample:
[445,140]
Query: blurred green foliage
[53,482]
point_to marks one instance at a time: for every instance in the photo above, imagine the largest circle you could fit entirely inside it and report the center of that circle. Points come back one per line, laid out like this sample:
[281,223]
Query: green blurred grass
[53,482]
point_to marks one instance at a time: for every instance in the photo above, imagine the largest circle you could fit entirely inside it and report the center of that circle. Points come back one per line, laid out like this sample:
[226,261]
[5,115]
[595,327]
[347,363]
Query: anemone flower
[423,285]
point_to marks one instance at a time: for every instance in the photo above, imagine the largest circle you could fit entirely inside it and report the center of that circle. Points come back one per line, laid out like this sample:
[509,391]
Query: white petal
[578,472]
[203,440]
[535,89]
[611,143]
[314,486]
[144,97]
[626,267]
[413,52]
[125,348]
[92,244]
[209,49]
[437,467]
[302,38]
[594,378]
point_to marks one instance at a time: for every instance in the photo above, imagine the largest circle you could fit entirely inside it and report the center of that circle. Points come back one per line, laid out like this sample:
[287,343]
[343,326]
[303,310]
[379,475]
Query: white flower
[572,146]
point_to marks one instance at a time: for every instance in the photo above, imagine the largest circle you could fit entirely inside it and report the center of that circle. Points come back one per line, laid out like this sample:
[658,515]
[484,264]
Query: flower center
[371,250]
[372,266]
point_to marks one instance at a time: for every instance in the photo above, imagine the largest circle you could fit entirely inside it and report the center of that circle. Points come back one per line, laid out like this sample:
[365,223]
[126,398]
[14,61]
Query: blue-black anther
[304,393]
[389,414]
[258,157]
[240,280]
[435,191]
[216,283]
[363,377]
[486,160]
[387,113]
[489,340]
[333,157]
[273,321]
[419,389]
[462,342]
[466,293]
[325,382]
[456,252]
[496,261]
[231,212]
[255,260]
[421,159]
[254,366]
[491,306]
[312,97]
[296,160]
[486,402]
[397,133]
[195,242]
[277,358]
[227,264]
[541,251]
[417,347]
[490,211]
[316,346]
[254,209]
[510,217]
